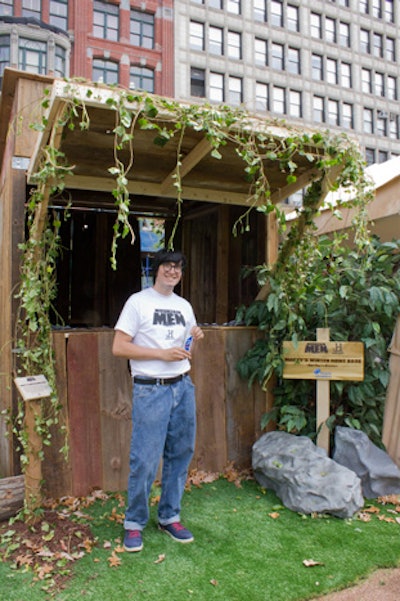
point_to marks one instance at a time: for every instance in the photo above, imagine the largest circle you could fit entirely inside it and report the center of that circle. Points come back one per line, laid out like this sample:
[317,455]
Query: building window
[58,14]
[383,156]
[276,13]
[347,115]
[277,57]
[363,5]
[6,7]
[260,52]
[197,82]
[196,35]
[333,112]
[235,91]
[316,26]
[368,121]
[105,20]
[233,6]
[344,34]
[4,53]
[389,11]
[216,40]
[376,9]
[60,62]
[32,56]
[370,156]
[261,97]
[260,10]
[381,124]
[31,8]
[234,45]
[330,30]
[293,61]
[216,87]
[393,127]
[391,87]
[377,40]
[142,29]
[292,16]
[295,104]
[318,109]
[215,4]
[365,44]
[345,75]
[366,81]
[390,49]
[331,71]
[105,71]
[379,84]
[317,72]
[141,78]
[279,101]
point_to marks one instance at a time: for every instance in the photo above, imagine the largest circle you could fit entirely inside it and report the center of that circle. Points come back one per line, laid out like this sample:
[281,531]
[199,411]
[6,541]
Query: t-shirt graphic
[166,317]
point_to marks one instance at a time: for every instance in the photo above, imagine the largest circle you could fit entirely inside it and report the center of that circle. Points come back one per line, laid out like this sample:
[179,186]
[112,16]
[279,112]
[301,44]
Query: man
[151,332]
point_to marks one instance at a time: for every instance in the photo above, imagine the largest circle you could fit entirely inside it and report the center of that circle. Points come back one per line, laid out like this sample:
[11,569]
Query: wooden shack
[94,387]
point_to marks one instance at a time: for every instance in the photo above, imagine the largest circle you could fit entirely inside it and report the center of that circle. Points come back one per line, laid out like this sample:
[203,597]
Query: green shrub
[353,291]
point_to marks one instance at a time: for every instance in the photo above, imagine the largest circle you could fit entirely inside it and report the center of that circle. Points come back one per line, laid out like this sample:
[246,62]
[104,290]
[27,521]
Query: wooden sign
[323,360]
[33,387]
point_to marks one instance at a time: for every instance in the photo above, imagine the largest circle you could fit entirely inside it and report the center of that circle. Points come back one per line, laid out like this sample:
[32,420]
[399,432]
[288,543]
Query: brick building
[126,42]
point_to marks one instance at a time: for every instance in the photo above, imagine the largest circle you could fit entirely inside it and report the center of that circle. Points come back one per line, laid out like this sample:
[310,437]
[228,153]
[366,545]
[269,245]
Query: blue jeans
[163,425]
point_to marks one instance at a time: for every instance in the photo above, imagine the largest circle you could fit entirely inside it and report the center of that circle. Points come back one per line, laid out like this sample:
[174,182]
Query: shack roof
[205,178]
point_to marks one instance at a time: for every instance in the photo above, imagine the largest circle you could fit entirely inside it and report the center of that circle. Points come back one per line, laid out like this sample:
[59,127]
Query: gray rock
[379,474]
[303,477]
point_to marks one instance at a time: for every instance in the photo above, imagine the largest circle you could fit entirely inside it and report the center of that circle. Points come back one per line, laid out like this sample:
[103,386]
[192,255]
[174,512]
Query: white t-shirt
[157,320]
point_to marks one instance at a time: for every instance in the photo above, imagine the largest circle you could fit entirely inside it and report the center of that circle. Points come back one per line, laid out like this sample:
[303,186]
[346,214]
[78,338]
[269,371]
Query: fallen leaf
[114,561]
[161,558]
[364,517]
[107,545]
[372,509]
[385,518]
[310,563]
[214,582]
[274,515]
[392,499]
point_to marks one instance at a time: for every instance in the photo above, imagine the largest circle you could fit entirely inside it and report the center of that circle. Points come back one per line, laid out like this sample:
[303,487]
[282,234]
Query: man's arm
[124,347]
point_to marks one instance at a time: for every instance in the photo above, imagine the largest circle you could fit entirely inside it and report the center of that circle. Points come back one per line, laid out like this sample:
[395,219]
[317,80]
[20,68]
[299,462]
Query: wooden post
[33,471]
[323,400]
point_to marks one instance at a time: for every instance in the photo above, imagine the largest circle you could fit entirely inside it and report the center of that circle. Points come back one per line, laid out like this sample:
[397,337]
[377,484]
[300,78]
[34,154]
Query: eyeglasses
[170,266]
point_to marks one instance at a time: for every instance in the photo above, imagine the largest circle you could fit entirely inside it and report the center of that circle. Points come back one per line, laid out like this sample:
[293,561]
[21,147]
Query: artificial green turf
[240,553]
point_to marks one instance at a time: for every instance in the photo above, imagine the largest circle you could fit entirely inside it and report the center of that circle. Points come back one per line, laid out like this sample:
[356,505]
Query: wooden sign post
[323,398]
[33,389]
[323,360]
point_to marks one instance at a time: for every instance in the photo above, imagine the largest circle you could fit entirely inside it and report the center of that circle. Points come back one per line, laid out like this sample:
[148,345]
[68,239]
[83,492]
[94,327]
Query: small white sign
[33,387]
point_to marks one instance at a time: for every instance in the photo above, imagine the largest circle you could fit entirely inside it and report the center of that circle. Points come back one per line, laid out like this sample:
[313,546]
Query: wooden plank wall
[229,412]
[96,389]
[95,393]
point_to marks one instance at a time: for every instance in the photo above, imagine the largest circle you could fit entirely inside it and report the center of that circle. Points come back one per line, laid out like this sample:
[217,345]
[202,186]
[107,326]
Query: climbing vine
[256,142]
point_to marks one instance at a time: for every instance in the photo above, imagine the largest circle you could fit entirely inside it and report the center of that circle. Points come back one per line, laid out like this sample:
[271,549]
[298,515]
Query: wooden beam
[188,163]
[107,184]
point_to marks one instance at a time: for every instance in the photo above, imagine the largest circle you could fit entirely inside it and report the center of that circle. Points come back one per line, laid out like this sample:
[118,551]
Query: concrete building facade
[325,63]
